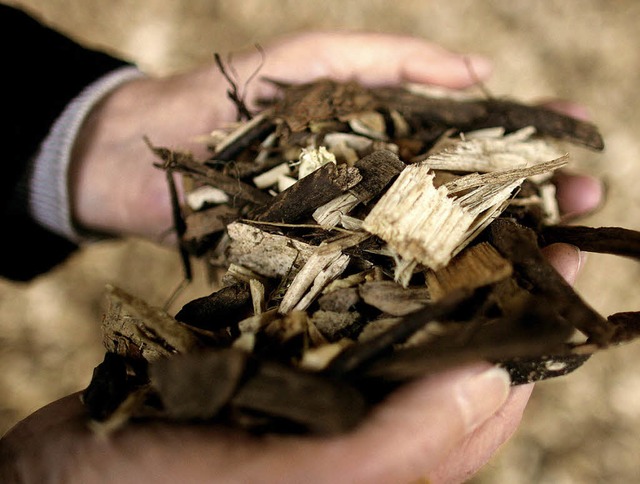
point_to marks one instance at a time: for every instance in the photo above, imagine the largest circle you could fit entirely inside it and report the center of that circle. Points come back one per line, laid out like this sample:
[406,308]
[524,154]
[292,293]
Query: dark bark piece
[208,221]
[198,385]
[186,164]
[302,198]
[524,370]
[218,310]
[604,240]
[358,355]
[108,388]
[532,328]
[470,115]
[626,326]
[320,101]
[377,169]
[256,129]
[179,224]
[513,116]
[315,403]
[519,245]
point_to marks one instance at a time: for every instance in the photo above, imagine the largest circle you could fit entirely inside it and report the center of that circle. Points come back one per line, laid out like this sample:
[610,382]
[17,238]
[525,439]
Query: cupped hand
[443,427]
[116,189]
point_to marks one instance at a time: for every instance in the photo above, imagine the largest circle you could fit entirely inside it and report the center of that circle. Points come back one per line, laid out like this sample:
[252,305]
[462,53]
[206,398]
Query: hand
[114,186]
[444,427]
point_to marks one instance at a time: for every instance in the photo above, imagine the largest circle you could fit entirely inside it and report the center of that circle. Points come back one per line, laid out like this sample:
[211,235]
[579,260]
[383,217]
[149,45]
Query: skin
[443,427]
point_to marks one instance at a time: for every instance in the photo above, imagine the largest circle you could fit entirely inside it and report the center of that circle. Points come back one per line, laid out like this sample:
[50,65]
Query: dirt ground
[583,428]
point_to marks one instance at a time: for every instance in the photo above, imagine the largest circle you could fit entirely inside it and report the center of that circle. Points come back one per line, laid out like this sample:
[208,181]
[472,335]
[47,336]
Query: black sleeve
[42,72]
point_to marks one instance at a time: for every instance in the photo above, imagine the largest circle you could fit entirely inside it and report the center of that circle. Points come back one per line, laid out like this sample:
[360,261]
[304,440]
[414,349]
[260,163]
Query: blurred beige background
[582,428]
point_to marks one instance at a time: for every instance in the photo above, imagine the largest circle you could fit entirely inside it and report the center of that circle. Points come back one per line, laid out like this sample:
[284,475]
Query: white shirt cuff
[49,201]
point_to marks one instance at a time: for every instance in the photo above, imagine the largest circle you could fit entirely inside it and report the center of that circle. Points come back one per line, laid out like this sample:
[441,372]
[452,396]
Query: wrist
[49,201]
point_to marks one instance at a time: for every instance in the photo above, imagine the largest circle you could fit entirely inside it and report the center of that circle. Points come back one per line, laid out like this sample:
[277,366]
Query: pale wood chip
[270,255]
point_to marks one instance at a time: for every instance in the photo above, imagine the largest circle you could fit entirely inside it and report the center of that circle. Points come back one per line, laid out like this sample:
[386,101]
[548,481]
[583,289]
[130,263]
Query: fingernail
[571,270]
[566,258]
[583,259]
[482,395]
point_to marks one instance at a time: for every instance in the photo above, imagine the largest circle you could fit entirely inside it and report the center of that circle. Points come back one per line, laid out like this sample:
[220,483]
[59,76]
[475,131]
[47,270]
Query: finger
[567,259]
[578,194]
[478,448]
[370,58]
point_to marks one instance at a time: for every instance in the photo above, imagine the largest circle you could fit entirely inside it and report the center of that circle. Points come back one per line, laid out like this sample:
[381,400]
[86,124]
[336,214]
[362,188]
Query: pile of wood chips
[369,236]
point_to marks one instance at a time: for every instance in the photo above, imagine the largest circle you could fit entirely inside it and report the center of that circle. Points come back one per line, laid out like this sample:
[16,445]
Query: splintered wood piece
[605,240]
[319,270]
[353,280]
[267,254]
[417,220]
[220,309]
[330,214]
[309,401]
[377,327]
[347,146]
[505,176]
[302,198]
[475,267]
[392,298]
[493,153]
[310,159]
[134,329]
[426,224]
[197,385]
[519,245]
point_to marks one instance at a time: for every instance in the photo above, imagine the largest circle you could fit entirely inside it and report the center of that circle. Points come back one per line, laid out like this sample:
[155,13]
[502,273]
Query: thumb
[410,434]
